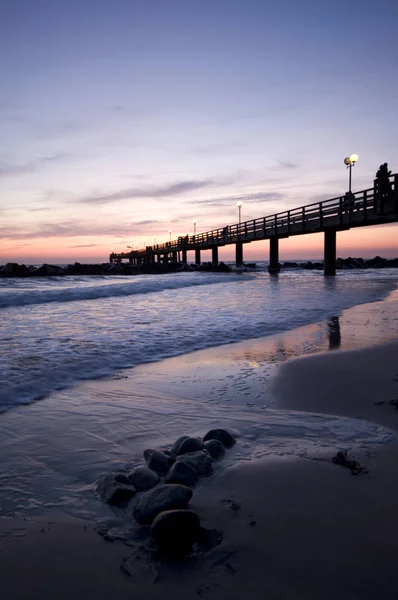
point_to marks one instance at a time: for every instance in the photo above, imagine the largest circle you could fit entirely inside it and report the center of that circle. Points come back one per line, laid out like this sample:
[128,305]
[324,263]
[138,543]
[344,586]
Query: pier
[373,206]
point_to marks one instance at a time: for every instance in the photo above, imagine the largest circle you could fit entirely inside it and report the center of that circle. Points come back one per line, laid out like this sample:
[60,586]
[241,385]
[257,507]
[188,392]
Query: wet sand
[303,529]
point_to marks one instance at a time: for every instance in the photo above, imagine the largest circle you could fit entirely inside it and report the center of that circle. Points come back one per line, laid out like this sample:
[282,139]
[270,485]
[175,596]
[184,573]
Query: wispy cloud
[252,198]
[9,170]
[71,229]
[85,246]
[173,189]
[282,164]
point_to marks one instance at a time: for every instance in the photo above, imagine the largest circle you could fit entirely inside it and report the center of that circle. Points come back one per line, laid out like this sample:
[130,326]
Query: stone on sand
[157,461]
[201,461]
[174,531]
[222,435]
[183,473]
[190,444]
[164,497]
[215,448]
[177,444]
[116,488]
[143,478]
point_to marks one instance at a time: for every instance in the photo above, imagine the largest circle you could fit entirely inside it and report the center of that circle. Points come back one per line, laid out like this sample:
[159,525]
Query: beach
[290,523]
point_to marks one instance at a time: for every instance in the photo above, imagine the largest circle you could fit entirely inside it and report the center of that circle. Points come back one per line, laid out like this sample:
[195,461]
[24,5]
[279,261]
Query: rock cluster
[346,263]
[45,270]
[163,488]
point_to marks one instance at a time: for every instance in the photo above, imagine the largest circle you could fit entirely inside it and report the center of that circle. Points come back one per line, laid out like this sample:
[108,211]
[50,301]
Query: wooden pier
[373,206]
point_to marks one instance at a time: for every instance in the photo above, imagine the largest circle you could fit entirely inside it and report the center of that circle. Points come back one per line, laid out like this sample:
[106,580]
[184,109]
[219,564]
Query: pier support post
[239,254]
[273,266]
[330,252]
[184,257]
[214,256]
[174,257]
[197,256]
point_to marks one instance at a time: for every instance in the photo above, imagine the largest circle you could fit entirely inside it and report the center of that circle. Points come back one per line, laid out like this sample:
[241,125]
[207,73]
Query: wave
[76,294]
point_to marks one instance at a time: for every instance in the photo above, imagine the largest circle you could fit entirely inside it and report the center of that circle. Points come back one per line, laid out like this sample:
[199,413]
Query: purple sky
[121,120]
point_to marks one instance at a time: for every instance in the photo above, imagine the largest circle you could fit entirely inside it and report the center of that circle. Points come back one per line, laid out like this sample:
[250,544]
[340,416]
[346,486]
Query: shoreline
[305,528]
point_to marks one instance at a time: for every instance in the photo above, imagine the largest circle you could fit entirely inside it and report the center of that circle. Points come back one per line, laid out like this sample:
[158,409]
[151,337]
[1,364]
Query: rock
[143,478]
[115,488]
[157,461]
[47,271]
[190,444]
[177,444]
[174,531]
[14,270]
[215,448]
[183,473]
[221,435]
[200,461]
[343,459]
[161,498]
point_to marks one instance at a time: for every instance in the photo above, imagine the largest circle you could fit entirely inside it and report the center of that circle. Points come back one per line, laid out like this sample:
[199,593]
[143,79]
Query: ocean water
[77,398]
[57,331]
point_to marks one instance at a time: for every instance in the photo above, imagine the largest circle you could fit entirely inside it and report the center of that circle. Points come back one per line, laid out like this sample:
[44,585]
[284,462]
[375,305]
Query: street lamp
[350,161]
[194,227]
[239,205]
[169,235]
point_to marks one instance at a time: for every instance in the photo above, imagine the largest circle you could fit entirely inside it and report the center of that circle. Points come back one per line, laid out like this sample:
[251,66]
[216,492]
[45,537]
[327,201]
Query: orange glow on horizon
[360,242]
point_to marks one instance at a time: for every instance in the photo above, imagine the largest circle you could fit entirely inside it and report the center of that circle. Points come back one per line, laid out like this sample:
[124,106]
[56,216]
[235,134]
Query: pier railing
[367,207]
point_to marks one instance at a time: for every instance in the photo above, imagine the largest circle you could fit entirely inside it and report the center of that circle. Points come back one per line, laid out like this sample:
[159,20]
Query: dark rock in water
[222,435]
[157,461]
[143,478]
[116,488]
[200,461]
[190,445]
[164,497]
[172,457]
[177,444]
[14,270]
[215,448]
[289,265]
[174,531]
[344,460]
[48,271]
[183,473]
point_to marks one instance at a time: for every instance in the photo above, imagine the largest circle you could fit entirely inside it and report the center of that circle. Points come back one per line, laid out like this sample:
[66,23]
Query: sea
[95,369]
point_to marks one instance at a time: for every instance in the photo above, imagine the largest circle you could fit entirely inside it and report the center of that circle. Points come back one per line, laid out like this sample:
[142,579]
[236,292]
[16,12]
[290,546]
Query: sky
[122,120]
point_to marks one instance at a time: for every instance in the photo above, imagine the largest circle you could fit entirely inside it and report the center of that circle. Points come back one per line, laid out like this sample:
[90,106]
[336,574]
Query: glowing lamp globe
[354,158]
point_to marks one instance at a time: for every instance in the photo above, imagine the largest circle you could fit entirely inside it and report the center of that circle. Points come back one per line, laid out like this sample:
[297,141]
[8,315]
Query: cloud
[173,189]
[252,198]
[282,164]
[85,246]
[7,170]
[71,229]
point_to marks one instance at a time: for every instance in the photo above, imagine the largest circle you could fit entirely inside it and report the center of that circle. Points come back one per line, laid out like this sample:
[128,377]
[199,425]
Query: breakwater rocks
[347,263]
[161,490]
[45,270]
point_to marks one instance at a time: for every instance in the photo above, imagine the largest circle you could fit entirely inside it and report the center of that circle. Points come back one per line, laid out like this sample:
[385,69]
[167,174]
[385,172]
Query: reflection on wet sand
[334,333]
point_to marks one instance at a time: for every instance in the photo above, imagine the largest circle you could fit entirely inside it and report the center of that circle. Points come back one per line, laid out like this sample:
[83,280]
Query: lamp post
[350,161]
[194,227]
[239,205]
[169,235]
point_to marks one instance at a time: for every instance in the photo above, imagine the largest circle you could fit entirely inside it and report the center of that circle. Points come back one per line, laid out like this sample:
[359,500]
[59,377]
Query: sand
[299,528]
